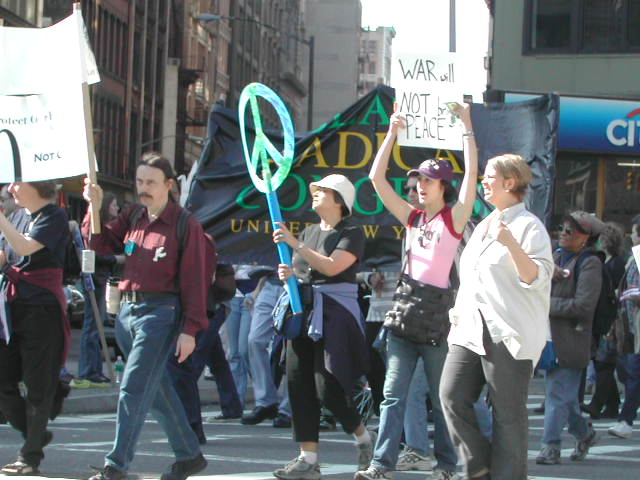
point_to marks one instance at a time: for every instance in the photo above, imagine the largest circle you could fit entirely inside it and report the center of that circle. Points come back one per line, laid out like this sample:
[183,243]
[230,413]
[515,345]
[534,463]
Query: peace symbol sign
[263,149]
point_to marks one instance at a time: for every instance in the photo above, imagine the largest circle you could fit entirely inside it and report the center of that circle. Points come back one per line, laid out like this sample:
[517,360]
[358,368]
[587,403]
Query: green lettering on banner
[356,204]
[302,193]
[376,108]
[240,198]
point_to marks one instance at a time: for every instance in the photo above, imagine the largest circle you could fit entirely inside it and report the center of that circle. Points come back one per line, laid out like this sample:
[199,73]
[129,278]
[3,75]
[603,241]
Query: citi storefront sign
[594,124]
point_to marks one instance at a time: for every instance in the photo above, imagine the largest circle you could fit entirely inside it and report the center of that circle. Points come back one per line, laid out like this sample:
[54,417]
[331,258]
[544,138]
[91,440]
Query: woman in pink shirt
[433,235]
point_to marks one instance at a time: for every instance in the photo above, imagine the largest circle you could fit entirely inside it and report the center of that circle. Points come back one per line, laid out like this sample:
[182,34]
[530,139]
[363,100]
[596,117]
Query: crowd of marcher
[453,333]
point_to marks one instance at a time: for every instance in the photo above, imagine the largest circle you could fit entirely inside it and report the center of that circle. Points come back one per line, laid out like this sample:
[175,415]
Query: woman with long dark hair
[433,234]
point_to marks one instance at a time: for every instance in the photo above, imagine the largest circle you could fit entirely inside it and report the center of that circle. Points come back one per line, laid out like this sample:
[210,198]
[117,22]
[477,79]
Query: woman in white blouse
[500,324]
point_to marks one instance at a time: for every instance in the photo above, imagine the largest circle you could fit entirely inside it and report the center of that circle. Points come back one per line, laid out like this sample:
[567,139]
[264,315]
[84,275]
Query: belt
[135,296]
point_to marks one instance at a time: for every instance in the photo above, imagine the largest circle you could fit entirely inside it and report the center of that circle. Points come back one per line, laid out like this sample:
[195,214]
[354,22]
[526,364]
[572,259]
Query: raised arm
[462,210]
[378,174]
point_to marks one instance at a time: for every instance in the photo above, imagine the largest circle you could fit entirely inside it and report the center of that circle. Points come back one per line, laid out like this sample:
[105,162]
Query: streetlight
[310,42]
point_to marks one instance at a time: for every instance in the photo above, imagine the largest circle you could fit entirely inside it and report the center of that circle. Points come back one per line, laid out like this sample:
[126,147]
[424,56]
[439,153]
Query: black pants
[377,369]
[34,356]
[310,386]
[465,374]
[606,392]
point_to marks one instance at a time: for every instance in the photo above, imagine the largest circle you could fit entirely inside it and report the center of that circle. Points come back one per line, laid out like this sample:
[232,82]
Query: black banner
[223,198]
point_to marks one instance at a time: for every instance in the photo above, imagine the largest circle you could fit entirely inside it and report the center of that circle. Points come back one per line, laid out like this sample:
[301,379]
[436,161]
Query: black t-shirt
[50,227]
[343,237]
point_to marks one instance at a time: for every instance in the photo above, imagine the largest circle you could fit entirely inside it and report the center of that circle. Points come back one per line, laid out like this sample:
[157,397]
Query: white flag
[41,60]
[42,124]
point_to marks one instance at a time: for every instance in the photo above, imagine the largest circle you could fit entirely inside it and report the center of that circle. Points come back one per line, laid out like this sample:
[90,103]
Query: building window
[582,26]
[372,68]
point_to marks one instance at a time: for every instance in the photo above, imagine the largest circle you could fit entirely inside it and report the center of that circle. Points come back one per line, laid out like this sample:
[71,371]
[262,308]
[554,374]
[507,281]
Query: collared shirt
[154,265]
[515,312]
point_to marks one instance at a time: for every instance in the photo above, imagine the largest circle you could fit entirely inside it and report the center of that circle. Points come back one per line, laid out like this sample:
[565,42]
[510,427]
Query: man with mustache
[164,286]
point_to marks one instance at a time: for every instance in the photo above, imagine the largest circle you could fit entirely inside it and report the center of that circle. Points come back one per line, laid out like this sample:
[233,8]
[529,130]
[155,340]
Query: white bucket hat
[340,184]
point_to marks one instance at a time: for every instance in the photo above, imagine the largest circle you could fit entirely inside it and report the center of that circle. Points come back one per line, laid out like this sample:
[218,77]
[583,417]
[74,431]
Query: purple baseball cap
[434,168]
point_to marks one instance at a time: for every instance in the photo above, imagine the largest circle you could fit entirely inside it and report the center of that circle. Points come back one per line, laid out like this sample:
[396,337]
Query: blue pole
[284,252]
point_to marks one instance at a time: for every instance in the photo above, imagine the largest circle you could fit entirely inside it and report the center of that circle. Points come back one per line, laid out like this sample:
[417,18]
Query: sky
[416,22]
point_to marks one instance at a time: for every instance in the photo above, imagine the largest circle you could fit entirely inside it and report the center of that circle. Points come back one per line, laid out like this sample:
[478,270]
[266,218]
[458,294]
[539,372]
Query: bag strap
[408,239]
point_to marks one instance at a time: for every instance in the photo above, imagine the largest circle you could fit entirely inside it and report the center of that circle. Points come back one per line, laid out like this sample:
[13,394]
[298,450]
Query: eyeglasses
[567,230]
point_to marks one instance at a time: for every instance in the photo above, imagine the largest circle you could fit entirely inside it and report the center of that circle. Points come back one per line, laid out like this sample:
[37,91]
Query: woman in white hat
[325,360]
[433,235]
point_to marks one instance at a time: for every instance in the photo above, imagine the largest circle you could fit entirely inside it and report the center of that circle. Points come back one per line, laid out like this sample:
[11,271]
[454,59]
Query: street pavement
[239,452]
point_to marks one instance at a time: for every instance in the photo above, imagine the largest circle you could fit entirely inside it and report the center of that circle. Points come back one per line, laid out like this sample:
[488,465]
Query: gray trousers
[464,375]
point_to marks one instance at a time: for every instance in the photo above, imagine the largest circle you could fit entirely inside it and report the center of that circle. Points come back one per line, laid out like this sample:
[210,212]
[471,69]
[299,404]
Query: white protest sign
[39,60]
[43,130]
[424,84]
[42,136]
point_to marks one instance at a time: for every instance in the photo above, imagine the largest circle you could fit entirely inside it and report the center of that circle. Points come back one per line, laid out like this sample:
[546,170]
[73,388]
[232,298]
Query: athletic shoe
[622,430]
[19,468]
[583,446]
[80,383]
[373,473]
[365,451]
[548,456]
[99,381]
[410,459]
[108,473]
[439,474]
[185,468]
[298,469]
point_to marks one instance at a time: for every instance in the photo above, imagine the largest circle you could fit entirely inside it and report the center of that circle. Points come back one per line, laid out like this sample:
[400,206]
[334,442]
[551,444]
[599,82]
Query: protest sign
[424,84]
[45,124]
[40,60]
[42,136]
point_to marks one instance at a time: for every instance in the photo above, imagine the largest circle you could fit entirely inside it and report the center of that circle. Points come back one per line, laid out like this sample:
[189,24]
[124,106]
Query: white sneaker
[439,474]
[412,460]
[622,430]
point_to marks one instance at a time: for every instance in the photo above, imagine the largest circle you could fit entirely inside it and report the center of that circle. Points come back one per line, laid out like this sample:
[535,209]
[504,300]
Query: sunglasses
[411,189]
[567,230]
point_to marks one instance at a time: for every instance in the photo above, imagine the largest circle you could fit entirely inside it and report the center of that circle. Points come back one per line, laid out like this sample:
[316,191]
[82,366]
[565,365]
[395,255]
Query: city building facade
[335,25]
[589,53]
[374,61]
[21,13]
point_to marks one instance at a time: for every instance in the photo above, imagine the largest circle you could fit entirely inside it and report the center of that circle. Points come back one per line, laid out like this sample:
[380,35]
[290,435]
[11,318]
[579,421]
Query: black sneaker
[282,421]
[185,468]
[108,473]
[259,414]
[583,446]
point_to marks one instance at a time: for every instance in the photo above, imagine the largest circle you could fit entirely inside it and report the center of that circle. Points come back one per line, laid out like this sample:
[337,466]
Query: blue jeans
[415,418]
[185,375]
[146,333]
[402,356]
[90,361]
[561,406]
[260,336]
[238,324]
[629,373]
